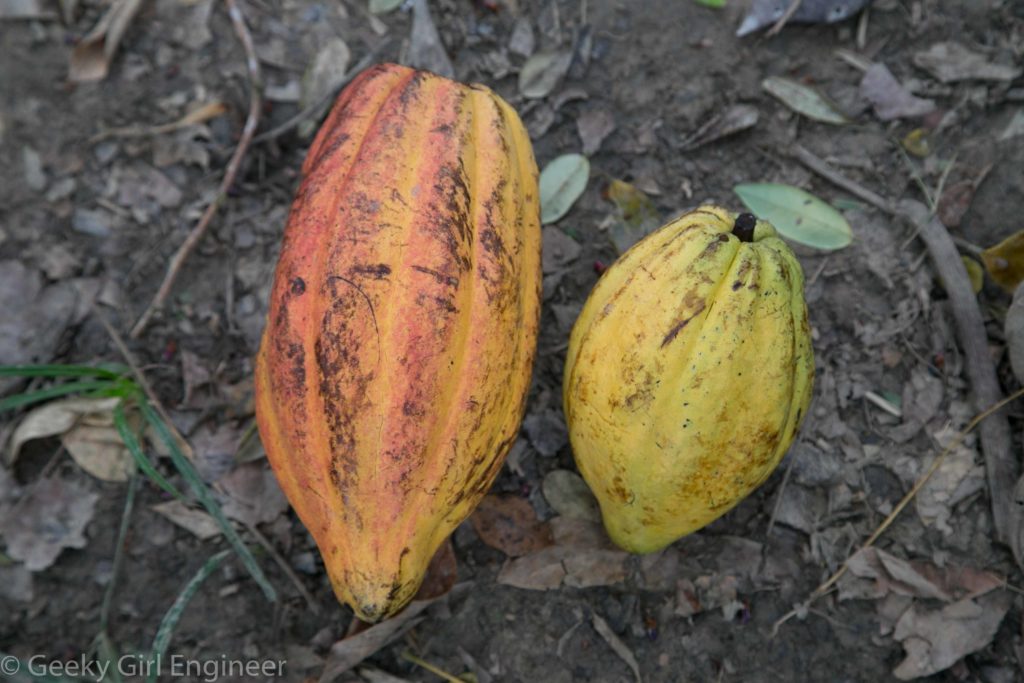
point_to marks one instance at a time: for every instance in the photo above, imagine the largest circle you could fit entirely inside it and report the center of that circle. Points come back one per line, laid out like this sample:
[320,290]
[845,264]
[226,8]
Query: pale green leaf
[384,6]
[802,100]
[561,183]
[797,215]
[711,3]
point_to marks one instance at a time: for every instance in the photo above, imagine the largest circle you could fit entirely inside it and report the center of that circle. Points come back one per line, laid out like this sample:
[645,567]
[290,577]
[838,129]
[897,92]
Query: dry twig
[819,166]
[790,11]
[251,123]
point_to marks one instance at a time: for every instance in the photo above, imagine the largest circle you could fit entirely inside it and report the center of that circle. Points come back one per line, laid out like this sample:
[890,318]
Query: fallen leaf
[636,215]
[935,640]
[326,72]
[547,432]
[1013,328]
[874,573]
[569,495]
[253,494]
[618,647]
[509,524]
[51,517]
[198,523]
[91,57]
[765,13]
[955,201]
[593,126]
[797,214]
[542,72]
[959,477]
[1015,127]
[34,318]
[888,96]
[348,652]
[558,249]
[582,556]
[711,3]
[442,572]
[522,41]
[193,375]
[1005,261]
[950,62]
[918,142]
[539,571]
[803,100]
[384,6]
[595,567]
[214,447]
[56,418]
[426,51]
[100,451]
[735,119]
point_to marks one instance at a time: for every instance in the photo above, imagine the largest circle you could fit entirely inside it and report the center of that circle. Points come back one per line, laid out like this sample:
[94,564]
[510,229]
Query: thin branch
[251,123]
[790,11]
[285,567]
[818,165]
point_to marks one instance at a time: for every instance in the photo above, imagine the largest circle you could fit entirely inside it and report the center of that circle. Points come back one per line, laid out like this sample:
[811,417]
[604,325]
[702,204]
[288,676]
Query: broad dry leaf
[567,493]
[52,517]
[91,57]
[581,557]
[509,524]
[348,652]
[950,62]
[593,126]
[253,494]
[426,51]
[199,523]
[937,639]
[959,477]
[888,96]
[100,451]
[874,573]
[326,73]
[56,418]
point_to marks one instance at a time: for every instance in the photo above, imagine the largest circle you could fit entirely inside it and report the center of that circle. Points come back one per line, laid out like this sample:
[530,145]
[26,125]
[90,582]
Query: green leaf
[202,492]
[384,6]
[561,183]
[131,442]
[84,386]
[711,3]
[60,371]
[170,620]
[803,100]
[797,215]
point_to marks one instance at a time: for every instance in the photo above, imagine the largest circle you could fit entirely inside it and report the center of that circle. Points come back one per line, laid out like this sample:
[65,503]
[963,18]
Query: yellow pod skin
[688,373]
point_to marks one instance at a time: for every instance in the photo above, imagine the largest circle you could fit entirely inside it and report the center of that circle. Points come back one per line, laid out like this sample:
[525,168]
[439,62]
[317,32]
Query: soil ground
[113,211]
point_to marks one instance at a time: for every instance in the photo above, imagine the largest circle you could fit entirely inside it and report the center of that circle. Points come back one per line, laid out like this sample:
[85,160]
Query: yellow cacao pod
[688,372]
[394,367]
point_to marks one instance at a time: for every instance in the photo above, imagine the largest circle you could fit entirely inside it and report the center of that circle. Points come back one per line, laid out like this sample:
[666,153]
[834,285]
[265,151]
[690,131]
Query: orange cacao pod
[394,367]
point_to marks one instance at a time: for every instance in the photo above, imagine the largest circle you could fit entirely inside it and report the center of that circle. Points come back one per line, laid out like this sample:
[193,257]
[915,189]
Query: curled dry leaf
[348,652]
[55,419]
[51,517]
[253,494]
[593,126]
[99,450]
[198,523]
[91,57]
[937,639]
[888,96]
[542,72]
[874,573]
[735,119]
[950,62]
[509,524]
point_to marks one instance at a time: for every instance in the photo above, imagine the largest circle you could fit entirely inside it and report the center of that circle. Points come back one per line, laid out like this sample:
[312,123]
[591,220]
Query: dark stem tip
[744,227]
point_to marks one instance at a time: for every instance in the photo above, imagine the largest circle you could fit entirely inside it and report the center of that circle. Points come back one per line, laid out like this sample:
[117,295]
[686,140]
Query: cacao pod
[688,372]
[394,367]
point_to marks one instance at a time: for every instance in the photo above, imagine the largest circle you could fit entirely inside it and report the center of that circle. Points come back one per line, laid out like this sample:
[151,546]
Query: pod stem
[744,227]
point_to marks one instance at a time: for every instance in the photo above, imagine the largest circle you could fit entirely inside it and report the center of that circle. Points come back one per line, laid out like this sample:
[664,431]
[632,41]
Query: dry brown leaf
[619,647]
[936,639]
[874,573]
[593,126]
[100,451]
[253,494]
[426,51]
[53,516]
[510,524]
[56,418]
[735,119]
[888,96]
[91,57]
[348,652]
[567,493]
[951,62]
[199,523]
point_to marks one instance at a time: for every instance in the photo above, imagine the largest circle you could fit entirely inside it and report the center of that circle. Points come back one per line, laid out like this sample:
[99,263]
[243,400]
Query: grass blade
[202,492]
[170,620]
[59,371]
[141,459]
[28,398]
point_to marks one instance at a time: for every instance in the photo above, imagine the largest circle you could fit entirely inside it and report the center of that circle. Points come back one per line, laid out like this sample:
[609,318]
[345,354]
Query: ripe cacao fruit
[393,371]
[688,372]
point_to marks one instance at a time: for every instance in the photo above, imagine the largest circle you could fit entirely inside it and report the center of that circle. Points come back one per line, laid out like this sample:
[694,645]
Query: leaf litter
[51,516]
